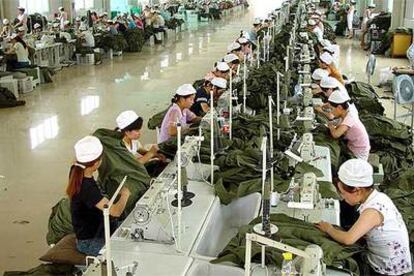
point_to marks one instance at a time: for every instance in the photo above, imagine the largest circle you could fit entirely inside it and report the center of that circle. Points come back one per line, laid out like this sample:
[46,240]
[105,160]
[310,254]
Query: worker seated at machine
[326,61]
[86,199]
[203,96]
[232,61]
[317,76]
[221,70]
[179,112]
[379,222]
[236,48]
[18,53]
[349,126]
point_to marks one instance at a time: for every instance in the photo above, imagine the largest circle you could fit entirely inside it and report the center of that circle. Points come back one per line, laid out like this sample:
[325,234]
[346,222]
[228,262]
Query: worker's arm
[338,131]
[369,219]
[148,155]
[118,207]
[172,125]
[205,107]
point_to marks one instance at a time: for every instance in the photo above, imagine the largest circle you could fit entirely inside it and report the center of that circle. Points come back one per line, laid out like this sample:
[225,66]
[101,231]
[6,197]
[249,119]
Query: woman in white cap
[203,96]
[350,18]
[7,29]
[62,17]
[86,199]
[236,48]
[221,70]
[368,15]
[21,18]
[379,223]
[350,127]
[130,125]
[179,112]
[245,44]
[313,27]
[232,61]
[20,49]
[326,61]
[317,76]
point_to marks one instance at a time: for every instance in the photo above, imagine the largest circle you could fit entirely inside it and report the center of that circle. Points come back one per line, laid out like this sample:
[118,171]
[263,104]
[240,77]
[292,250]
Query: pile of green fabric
[135,39]
[365,98]
[293,232]
[108,41]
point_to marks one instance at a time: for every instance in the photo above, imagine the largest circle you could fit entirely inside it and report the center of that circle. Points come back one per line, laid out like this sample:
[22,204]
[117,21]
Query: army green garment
[293,232]
[365,98]
[118,162]
[60,222]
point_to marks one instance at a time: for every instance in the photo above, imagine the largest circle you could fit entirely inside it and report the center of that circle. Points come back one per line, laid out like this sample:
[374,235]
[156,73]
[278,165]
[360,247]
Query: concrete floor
[36,141]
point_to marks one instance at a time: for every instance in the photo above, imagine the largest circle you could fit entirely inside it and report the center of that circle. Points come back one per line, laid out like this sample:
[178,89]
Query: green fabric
[365,98]
[296,233]
[45,270]
[60,222]
[117,162]
[135,39]
[156,120]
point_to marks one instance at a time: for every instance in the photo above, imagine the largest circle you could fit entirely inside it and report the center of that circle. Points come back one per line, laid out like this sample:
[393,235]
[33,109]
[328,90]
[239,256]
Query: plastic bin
[88,59]
[10,84]
[400,44]
[25,85]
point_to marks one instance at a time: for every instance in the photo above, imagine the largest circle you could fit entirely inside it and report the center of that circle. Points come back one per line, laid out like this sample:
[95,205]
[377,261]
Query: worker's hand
[161,157]
[331,125]
[323,226]
[318,108]
[125,192]
[154,149]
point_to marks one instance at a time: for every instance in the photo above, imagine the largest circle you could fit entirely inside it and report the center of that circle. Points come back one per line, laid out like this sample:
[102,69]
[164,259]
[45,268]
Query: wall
[409,14]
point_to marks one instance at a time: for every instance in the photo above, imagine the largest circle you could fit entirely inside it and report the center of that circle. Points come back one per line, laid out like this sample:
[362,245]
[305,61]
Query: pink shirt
[173,115]
[357,136]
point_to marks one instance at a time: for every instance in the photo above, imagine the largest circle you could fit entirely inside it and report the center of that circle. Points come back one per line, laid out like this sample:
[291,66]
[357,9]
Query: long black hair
[19,39]
[177,97]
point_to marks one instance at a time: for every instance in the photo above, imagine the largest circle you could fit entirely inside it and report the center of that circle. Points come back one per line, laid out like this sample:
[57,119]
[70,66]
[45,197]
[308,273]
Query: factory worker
[379,223]
[179,111]
[245,44]
[350,18]
[86,199]
[62,17]
[21,18]
[7,28]
[130,125]
[222,70]
[326,61]
[317,75]
[349,127]
[312,27]
[37,28]
[236,48]
[87,37]
[368,15]
[333,50]
[315,16]
[203,96]
[20,48]
[232,61]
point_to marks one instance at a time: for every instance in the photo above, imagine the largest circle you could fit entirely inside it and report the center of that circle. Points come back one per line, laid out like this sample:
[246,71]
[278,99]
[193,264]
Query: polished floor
[36,141]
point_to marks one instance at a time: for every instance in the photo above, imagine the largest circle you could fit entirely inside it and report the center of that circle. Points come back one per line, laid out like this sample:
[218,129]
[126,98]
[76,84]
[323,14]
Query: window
[83,4]
[33,6]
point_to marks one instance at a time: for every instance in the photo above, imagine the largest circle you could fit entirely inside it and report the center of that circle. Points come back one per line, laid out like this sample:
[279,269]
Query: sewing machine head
[306,194]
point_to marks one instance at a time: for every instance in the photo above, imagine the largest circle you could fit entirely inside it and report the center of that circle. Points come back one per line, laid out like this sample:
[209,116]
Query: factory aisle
[36,141]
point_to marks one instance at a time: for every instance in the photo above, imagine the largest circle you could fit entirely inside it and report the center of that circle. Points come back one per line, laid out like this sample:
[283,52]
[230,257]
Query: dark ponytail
[19,39]
[177,97]
[76,176]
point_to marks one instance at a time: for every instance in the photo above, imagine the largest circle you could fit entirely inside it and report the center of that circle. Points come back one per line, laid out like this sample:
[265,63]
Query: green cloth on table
[45,270]
[60,222]
[295,233]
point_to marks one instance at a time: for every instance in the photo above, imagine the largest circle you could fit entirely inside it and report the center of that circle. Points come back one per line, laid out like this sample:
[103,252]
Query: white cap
[77,19]
[6,21]
[326,58]
[353,2]
[21,8]
[13,36]
[126,118]
[36,25]
[242,40]
[230,58]
[185,90]
[329,82]
[21,29]
[372,5]
[318,12]
[60,8]
[330,48]
[311,22]
[356,173]
[219,82]
[66,22]
[338,97]
[88,149]
[233,46]
[319,74]
[55,25]
[222,66]
[257,21]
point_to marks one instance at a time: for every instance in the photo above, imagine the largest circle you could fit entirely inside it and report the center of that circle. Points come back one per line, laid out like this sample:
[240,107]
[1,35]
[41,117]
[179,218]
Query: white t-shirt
[134,148]
[388,245]
[319,33]
[21,52]
[89,39]
[23,19]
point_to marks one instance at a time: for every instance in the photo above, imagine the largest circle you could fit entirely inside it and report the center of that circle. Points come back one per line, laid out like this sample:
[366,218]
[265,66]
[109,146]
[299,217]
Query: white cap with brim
[319,74]
[242,40]
[36,25]
[126,118]
[222,66]
[311,22]
[21,8]
[325,42]
[6,21]
[185,90]
[234,46]
[13,36]
[55,25]
[338,97]
[230,58]
[219,82]
[88,149]
[326,58]
[60,8]
[356,173]
[21,29]
[257,21]
[329,82]
[372,6]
